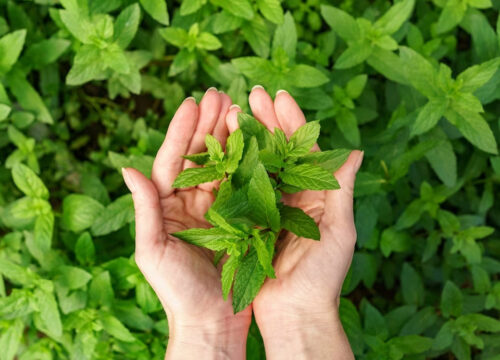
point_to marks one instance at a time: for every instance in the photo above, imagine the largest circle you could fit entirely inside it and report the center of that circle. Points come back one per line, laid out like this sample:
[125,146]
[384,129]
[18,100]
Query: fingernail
[281,91]
[359,160]
[128,180]
[190,98]
[221,92]
[211,88]
[257,87]
[234,106]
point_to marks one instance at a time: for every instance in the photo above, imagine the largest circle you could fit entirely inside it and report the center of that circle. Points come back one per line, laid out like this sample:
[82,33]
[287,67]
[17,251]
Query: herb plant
[89,86]
[247,215]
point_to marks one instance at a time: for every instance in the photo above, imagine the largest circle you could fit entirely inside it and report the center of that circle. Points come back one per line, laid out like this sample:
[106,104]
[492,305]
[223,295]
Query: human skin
[297,313]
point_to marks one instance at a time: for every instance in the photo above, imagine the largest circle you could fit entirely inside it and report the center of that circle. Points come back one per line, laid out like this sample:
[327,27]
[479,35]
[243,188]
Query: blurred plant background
[89,86]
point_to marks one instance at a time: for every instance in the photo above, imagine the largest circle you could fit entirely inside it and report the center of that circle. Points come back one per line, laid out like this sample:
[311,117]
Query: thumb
[148,214]
[339,203]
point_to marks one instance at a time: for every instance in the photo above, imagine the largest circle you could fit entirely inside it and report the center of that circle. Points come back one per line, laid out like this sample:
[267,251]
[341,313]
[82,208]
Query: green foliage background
[87,87]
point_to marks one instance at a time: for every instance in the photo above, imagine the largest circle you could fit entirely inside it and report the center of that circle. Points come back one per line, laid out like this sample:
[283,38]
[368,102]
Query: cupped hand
[182,275]
[309,274]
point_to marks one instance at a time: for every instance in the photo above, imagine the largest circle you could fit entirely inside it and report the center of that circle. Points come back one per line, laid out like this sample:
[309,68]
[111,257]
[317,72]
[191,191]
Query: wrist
[294,333]
[219,338]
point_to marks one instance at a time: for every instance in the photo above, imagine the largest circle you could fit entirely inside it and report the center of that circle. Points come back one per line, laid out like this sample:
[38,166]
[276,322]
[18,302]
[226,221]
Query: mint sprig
[255,169]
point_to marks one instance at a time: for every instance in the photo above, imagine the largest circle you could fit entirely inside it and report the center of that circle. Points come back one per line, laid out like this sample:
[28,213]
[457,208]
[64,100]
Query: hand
[183,276]
[300,307]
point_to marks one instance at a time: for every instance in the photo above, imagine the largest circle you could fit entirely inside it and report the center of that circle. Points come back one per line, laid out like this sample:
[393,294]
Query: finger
[289,114]
[263,108]
[148,215]
[220,132]
[209,109]
[339,203]
[232,118]
[168,162]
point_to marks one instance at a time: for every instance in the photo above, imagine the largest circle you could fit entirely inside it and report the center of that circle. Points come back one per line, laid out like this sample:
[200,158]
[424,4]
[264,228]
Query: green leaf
[11,339]
[354,55]
[309,177]
[157,9]
[428,116]
[214,148]
[44,228]
[420,73]
[85,249]
[4,111]
[388,64]
[341,22]
[452,14]
[191,6]
[304,138]
[11,46]
[234,149]
[28,182]
[355,86]
[217,219]
[451,300]
[48,313]
[228,271]
[114,216]
[285,36]
[199,159]
[195,176]
[28,97]
[80,212]
[475,129]
[262,199]
[45,52]
[297,221]
[248,281]
[256,33]
[239,8]
[477,75]
[115,328]
[330,160]
[207,41]
[411,344]
[392,20]
[412,286]
[126,25]
[175,36]
[348,125]
[271,9]
[305,76]
[87,65]
[251,127]
[265,258]
[248,163]
[72,278]
[213,238]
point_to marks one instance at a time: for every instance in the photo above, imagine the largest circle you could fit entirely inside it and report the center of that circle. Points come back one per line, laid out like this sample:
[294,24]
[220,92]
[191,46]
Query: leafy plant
[247,214]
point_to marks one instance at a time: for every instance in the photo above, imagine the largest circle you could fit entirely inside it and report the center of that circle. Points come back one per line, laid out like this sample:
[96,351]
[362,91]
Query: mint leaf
[80,212]
[476,76]
[228,271]
[28,182]
[248,281]
[253,128]
[126,25]
[298,222]
[217,219]
[265,258]
[234,149]
[195,176]
[451,300]
[392,20]
[213,238]
[330,160]
[309,177]
[304,139]
[198,159]
[11,46]
[214,148]
[248,163]
[262,199]
[428,116]
[475,129]
[117,214]
[341,22]
[157,9]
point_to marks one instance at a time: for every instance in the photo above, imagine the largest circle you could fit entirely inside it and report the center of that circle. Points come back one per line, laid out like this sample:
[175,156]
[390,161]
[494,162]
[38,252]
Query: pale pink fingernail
[257,87]
[128,180]
[210,89]
[190,98]
[234,106]
[281,91]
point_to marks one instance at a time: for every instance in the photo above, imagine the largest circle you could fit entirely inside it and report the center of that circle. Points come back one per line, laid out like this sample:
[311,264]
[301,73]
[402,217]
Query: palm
[182,275]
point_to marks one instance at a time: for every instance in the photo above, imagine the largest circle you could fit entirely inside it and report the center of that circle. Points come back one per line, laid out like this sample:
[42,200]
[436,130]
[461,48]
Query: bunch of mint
[248,214]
